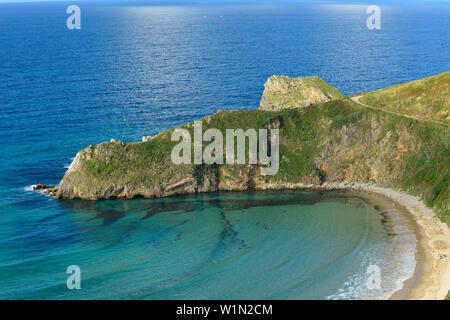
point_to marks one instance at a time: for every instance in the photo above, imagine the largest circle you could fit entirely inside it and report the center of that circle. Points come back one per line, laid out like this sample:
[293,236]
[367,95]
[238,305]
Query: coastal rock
[98,173]
[284,92]
[336,144]
[355,147]
[39,186]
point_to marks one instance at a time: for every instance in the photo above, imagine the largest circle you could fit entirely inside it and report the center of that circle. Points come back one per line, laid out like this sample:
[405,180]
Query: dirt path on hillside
[356,99]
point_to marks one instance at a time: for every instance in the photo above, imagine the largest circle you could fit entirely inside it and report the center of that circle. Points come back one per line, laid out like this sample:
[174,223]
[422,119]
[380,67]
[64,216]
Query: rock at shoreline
[50,190]
[40,186]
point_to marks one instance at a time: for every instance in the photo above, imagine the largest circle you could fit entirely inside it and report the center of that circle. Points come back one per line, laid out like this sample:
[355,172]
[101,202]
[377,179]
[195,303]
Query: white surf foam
[29,188]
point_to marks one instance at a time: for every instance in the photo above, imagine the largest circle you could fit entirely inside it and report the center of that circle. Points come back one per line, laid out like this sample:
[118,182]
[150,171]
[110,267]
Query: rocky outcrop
[284,92]
[333,142]
[40,186]
[146,138]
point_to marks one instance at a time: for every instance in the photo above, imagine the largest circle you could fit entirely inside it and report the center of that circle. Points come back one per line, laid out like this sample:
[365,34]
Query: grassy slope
[323,86]
[422,167]
[338,140]
[428,98]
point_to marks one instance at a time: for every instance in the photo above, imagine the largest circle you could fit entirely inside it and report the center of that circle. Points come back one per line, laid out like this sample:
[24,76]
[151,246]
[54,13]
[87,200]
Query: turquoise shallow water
[290,245]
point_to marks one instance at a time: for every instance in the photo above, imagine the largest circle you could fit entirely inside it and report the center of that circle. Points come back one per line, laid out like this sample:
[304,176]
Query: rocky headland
[394,142]
[324,138]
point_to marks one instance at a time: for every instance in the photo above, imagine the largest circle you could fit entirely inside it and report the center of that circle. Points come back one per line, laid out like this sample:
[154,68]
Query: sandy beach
[431,280]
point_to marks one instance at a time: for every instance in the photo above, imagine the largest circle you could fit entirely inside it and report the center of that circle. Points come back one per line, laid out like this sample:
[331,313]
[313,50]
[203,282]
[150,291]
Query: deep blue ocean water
[137,70]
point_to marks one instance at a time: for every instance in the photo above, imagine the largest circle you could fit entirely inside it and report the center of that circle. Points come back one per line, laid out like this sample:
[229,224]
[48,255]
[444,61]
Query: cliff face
[334,141]
[284,92]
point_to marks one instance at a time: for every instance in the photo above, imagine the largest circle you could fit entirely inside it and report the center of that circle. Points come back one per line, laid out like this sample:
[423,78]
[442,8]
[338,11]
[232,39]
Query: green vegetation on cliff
[427,98]
[335,141]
